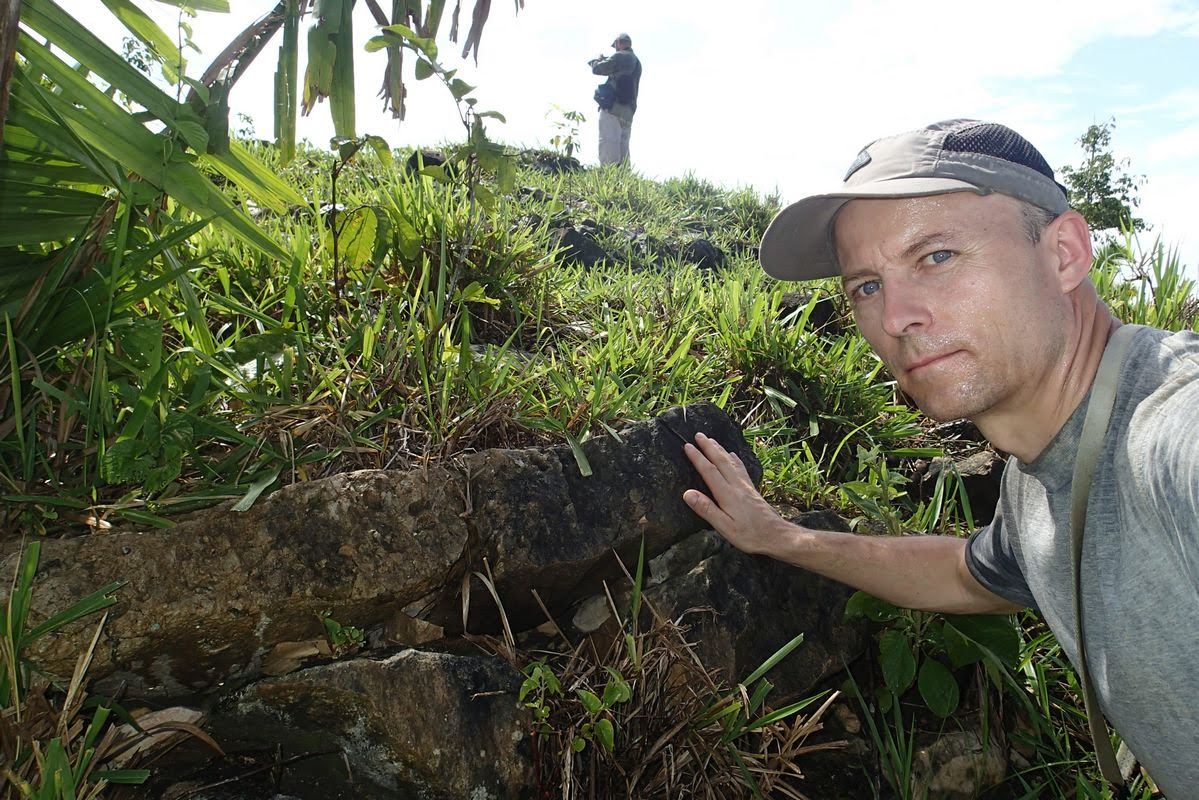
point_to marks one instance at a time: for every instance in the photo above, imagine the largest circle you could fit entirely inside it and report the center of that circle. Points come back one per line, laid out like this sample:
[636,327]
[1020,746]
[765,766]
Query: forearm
[921,572]
[924,572]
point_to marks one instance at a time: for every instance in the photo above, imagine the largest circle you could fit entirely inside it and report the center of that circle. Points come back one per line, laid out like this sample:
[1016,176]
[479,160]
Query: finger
[730,466]
[711,513]
[707,470]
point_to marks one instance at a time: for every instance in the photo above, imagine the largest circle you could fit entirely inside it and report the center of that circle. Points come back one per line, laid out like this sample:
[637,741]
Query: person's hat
[959,155]
[623,37]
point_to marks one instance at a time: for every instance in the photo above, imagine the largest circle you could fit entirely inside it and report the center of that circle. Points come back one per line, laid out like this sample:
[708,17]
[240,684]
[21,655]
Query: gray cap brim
[798,245]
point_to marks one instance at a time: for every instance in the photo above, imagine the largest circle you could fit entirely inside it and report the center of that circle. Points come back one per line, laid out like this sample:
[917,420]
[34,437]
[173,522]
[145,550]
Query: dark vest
[628,84]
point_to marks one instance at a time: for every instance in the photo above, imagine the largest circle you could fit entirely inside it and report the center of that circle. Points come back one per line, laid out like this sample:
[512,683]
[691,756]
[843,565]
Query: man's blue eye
[868,288]
[940,257]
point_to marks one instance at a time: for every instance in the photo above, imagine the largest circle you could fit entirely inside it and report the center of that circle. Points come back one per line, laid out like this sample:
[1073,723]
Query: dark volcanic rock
[761,604]
[981,474]
[441,725]
[425,158]
[550,163]
[207,599]
[703,254]
[577,244]
[412,725]
[823,319]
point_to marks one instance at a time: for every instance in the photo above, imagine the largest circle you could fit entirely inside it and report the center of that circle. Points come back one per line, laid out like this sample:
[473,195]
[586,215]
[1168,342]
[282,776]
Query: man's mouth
[929,360]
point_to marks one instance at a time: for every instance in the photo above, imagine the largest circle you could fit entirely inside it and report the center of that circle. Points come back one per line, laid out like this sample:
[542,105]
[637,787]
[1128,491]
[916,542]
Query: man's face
[963,308]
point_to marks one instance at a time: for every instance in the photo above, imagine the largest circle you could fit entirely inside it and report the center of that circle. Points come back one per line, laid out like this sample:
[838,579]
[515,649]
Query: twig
[275,764]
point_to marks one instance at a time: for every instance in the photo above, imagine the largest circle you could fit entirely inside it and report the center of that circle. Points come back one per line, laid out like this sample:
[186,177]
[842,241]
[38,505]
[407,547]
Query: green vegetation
[1099,187]
[644,718]
[446,323]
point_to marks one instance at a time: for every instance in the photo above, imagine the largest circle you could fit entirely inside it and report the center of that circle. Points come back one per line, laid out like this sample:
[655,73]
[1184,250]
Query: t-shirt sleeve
[990,559]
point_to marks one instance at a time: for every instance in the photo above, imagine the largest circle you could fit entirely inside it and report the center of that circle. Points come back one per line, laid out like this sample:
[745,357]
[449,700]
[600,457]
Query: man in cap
[623,69]
[967,272]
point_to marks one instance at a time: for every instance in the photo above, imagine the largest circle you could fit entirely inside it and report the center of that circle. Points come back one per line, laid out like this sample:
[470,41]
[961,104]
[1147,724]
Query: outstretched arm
[923,572]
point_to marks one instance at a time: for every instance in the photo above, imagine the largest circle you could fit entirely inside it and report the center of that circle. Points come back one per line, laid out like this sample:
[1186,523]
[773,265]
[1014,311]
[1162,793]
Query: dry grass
[677,728]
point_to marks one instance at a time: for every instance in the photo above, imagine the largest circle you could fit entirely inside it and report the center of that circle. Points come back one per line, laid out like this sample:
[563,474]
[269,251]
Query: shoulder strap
[1094,431]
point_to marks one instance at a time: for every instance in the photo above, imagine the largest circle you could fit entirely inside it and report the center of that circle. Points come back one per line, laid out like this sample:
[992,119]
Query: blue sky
[781,94]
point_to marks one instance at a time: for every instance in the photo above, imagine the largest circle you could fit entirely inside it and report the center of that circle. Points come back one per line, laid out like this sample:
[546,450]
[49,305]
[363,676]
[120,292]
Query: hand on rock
[736,510]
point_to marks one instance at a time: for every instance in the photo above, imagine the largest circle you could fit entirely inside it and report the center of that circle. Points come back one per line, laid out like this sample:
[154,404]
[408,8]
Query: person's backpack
[605,96]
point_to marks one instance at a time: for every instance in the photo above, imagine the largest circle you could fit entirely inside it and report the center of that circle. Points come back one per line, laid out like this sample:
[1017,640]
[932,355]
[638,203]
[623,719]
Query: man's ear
[1070,238]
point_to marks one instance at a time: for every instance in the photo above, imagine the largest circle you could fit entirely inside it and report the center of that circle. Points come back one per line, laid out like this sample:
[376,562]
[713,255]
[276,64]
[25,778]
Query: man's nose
[905,308]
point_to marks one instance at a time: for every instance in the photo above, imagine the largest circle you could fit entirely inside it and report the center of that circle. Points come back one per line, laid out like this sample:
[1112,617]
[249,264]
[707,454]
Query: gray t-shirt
[1140,558]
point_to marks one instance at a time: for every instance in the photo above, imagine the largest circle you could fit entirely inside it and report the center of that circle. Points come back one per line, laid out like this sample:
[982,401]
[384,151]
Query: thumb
[711,513]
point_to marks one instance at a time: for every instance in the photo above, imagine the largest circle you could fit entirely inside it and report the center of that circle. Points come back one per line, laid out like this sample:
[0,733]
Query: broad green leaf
[617,690]
[896,660]
[861,604]
[605,734]
[475,293]
[356,236]
[938,687]
[961,651]
[377,43]
[437,173]
[486,198]
[424,69]
[995,634]
[381,148]
[590,702]
[460,88]
[422,44]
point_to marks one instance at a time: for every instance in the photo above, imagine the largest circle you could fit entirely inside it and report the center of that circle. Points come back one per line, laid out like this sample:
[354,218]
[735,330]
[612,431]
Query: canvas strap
[1094,431]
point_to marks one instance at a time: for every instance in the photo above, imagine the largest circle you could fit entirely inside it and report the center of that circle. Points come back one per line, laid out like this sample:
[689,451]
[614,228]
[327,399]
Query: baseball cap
[957,155]
[622,37]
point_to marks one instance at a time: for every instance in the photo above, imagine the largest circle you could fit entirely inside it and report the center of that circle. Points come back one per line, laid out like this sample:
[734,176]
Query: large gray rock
[431,725]
[761,604]
[206,599]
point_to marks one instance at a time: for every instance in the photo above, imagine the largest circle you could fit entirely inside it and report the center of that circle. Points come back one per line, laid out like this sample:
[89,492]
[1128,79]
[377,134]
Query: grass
[215,373]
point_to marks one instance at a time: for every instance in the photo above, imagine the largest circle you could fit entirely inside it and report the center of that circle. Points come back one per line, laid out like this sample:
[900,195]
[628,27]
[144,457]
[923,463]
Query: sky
[780,95]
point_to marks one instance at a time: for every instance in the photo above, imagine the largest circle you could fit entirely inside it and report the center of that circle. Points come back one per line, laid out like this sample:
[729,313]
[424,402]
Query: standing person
[968,274]
[617,99]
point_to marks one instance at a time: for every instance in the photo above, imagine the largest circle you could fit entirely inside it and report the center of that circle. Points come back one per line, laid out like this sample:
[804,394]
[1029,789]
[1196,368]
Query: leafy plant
[922,649]
[643,718]
[343,639]
[566,129]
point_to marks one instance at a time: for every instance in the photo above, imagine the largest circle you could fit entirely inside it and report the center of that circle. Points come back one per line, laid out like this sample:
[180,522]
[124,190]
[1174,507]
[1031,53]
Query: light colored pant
[615,126]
